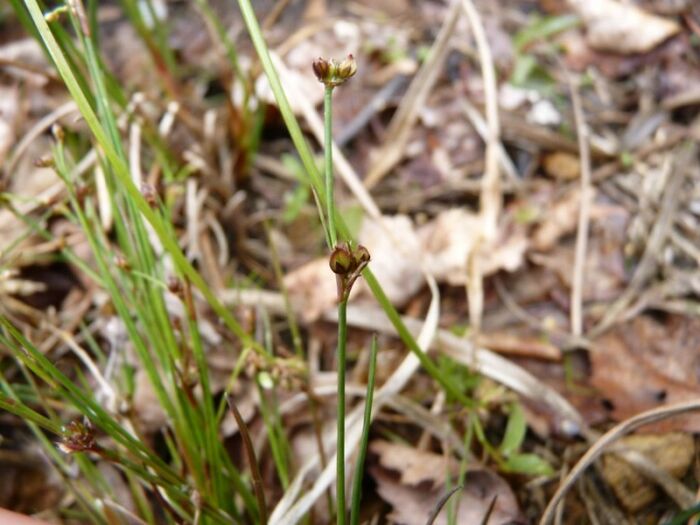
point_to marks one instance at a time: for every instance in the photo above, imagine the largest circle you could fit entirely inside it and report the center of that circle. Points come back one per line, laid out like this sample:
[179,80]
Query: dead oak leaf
[405,472]
[622,27]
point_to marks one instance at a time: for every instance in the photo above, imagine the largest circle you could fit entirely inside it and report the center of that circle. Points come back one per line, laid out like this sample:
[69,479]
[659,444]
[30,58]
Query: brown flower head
[333,73]
[342,261]
[78,437]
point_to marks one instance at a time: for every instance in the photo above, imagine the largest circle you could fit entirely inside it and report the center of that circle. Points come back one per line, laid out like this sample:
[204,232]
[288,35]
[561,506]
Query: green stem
[362,453]
[328,147]
[340,478]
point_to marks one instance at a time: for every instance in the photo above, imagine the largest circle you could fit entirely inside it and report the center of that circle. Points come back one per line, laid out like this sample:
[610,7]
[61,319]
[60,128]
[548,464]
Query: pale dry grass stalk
[584,213]
[491,197]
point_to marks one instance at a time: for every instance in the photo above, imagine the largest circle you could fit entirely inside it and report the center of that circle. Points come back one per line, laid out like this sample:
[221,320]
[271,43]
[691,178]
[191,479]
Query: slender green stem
[362,453]
[340,478]
[316,180]
[328,164]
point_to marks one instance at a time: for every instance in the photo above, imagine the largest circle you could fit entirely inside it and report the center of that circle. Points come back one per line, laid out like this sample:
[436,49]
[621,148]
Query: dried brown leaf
[671,452]
[413,503]
[644,364]
[622,27]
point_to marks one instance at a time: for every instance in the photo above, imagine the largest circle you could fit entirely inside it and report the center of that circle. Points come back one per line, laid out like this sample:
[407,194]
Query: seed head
[78,437]
[342,261]
[361,255]
[322,69]
[333,73]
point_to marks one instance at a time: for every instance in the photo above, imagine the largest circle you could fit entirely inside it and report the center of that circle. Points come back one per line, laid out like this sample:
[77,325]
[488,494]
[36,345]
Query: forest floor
[524,175]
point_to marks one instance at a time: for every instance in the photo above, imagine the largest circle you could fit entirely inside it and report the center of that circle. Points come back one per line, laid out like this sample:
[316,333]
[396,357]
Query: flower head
[333,73]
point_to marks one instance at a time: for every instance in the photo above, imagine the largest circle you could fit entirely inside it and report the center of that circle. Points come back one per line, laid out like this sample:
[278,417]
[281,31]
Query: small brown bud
[122,263]
[341,261]
[361,255]
[322,69]
[333,73]
[55,14]
[78,437]
[347,68]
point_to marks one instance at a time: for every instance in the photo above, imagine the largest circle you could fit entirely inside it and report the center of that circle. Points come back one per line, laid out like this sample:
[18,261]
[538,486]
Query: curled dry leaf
[412,481]
[447,241]
[622,27]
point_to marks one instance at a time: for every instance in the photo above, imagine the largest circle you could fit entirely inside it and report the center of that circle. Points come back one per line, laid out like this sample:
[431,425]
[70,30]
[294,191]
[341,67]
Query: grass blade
[440,504]
[366,423]
[258,486]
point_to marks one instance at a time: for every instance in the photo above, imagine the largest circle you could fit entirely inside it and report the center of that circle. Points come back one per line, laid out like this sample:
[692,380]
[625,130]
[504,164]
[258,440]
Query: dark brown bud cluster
[333,73]
[345,260]
[347,263]
[78,437]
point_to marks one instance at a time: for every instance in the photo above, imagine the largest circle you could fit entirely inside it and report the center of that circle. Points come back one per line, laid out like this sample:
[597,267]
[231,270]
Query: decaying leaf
[644,364]
[412,481]
[447,242]
[671,452]
[622,27]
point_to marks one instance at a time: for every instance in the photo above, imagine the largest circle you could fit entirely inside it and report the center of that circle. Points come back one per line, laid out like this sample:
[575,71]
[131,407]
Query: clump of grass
[145,265]
[142,267]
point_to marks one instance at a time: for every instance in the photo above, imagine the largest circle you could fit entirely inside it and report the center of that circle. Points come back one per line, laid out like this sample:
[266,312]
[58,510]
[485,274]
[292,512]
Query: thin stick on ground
[490,201]
[584,213]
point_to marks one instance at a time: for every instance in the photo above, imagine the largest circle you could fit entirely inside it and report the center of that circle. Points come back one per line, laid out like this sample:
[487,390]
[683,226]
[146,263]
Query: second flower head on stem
[347,263]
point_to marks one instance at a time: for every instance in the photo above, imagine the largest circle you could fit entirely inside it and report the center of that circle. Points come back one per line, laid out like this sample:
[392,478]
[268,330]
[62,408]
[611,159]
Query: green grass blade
[307,160]
[364,440]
